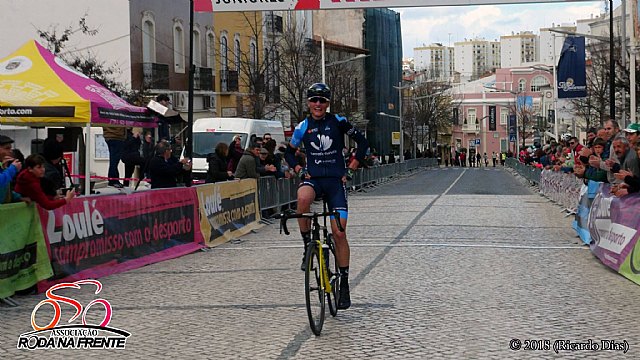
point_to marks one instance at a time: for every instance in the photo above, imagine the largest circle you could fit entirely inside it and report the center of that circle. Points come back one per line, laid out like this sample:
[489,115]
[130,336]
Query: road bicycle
[322,275]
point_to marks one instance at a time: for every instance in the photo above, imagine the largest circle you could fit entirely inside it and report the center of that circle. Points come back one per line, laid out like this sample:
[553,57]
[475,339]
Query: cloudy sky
[455,23]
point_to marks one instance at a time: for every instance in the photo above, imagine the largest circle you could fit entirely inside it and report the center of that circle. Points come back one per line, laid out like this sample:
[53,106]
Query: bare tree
[299,68]
[595,107]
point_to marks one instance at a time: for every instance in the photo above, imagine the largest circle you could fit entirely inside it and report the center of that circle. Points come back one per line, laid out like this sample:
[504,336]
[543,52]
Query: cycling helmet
[319,89]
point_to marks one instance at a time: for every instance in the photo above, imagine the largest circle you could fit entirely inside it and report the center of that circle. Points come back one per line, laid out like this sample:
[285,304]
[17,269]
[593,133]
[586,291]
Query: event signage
[228,210]
[102,235]
[23,252]
[613,225]
[261,5]
[512,127]
[492,118]
[572,78]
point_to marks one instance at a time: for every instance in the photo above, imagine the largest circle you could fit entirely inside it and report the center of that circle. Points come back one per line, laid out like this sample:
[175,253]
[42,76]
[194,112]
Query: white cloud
[456,23]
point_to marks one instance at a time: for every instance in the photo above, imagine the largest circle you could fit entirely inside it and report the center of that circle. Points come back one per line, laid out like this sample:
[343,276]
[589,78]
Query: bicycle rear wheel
[314,293]
[334,276]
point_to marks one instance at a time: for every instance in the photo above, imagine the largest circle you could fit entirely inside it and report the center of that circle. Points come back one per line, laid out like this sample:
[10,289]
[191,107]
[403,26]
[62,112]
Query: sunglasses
[319,99]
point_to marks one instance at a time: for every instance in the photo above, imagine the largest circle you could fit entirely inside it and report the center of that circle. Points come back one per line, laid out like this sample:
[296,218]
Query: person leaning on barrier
[625,163]
[248,164]
[631,182]
[217,161]
[588,172]
[28,184]
[164,168]
[9,169]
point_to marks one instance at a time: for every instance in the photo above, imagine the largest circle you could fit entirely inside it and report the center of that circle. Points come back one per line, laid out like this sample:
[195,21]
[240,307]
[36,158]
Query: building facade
[518,49]
[436,60]
[524,92]
[475,58]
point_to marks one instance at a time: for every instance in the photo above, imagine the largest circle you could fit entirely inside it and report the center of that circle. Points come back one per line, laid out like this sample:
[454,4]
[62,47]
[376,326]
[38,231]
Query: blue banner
[572,79]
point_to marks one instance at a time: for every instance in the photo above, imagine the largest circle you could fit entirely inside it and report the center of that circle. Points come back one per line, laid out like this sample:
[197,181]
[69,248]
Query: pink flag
[202,6]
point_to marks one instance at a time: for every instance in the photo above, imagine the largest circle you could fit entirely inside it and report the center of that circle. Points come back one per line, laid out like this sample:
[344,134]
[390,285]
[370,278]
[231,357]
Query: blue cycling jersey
[323,141]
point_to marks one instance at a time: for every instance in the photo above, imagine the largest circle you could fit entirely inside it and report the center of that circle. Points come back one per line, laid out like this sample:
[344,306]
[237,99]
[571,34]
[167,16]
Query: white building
[474,58]
[518,49]
[550,41]
[437,60]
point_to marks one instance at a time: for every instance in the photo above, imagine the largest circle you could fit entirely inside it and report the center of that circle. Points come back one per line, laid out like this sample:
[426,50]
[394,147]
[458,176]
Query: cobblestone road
[447,263]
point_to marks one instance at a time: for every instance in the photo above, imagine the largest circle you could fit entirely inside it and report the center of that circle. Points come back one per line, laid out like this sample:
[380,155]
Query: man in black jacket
[164,168]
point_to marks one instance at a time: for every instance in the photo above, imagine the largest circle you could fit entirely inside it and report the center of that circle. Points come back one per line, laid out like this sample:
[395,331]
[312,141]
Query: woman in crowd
[218,164]
[235,153]
[28,184]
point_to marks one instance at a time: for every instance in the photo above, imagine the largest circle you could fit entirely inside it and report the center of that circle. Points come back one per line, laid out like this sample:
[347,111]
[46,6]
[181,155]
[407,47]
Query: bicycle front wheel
[314,292]
[334,275]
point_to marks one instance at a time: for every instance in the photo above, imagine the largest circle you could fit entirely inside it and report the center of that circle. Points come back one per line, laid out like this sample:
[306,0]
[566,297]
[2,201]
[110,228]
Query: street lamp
[401,132]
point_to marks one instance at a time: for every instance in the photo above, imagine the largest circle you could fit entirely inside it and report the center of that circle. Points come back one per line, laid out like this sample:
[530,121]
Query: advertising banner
[492,118]
[581,222]
[23,252]
[228,210]
[572,77]
[102,235]
[613,225]
[262,5]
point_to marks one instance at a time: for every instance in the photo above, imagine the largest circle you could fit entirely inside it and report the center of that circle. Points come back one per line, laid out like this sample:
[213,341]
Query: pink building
[524,92]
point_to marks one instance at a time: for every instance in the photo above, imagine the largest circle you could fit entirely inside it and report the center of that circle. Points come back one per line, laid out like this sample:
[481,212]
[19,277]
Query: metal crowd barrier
[275,193]
[532,174]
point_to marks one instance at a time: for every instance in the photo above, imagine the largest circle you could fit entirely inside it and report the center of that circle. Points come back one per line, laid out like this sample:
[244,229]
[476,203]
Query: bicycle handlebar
[311,215]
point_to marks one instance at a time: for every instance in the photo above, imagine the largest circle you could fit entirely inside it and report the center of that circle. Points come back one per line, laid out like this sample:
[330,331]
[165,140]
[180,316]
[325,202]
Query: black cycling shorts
[333,190]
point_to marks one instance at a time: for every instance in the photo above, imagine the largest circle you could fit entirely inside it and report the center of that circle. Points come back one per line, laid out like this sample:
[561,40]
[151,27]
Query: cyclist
[325,175]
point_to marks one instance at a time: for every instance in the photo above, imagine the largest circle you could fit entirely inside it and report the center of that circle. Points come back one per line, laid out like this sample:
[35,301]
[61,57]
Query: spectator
[584,170]
[486,160]
[632,134]
[53,178]
[9,169]
[218,164]
[631,182]
[263,167]
[164,129]
[272,158]
[247,166]
[131,155]
[494,158]
[28,184]
[165,168]
[235,153]
[147,151]
[625,159]
[115,138]
[592,134]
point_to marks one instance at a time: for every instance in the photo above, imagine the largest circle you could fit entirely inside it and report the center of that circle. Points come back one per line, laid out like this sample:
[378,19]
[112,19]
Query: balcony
[471,128]
[228,80]
[203,79]
[155,76]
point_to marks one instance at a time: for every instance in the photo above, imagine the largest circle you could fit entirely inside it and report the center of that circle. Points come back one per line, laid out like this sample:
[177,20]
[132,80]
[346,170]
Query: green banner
[23,252]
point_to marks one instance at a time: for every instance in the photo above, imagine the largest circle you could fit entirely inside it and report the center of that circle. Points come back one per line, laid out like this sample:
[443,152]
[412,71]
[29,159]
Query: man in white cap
[632,132]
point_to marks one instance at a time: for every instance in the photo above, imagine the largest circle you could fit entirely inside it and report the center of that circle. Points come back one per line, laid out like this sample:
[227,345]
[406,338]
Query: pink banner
[613,226]
[106,107]
[98,236]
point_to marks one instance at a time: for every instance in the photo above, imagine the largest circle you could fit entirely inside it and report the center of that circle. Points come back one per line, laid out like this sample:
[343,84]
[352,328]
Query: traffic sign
[477,141]
[512,138]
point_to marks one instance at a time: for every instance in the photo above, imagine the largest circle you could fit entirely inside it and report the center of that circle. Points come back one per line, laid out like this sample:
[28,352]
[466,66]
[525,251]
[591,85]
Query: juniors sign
[228,210]
[259,5]
[98,236]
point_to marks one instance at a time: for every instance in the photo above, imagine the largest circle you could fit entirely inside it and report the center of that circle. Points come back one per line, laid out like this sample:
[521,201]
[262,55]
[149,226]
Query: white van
[208,132]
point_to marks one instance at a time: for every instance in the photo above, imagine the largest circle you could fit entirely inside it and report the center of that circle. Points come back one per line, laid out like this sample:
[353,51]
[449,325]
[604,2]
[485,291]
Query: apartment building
[518,49]
[475,58]
[436,60]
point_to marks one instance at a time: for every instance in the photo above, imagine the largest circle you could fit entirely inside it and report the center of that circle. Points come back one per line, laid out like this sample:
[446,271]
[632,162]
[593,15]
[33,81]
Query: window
[178,47]
[504,116]
[148,38]
[211,50]
[224,59]
[538,82]
[522,85]
[253,56]
[471,116]
[236,51]
[197,49]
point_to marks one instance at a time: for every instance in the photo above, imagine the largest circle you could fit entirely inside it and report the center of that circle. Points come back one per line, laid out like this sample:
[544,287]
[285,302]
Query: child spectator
[28,184]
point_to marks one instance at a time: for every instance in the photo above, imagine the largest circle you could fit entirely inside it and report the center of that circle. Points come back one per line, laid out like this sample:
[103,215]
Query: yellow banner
[228,210]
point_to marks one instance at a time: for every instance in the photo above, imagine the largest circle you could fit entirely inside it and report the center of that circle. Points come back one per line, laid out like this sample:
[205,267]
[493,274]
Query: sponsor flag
[572,79]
